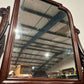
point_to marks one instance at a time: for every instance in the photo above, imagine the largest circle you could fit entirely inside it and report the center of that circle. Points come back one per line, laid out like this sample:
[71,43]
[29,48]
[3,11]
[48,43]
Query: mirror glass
[43,43]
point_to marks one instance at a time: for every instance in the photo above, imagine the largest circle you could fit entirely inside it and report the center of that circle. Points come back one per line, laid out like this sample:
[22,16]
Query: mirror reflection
[43,44]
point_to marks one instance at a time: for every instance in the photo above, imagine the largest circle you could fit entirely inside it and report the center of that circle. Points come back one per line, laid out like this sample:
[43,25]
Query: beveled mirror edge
[10,40]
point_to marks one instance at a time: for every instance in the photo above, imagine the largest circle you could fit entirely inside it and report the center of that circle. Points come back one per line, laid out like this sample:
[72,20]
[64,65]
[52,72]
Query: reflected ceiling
[43,36]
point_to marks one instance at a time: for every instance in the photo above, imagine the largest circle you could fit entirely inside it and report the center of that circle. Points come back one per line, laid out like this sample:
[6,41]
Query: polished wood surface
[8,52]
[8,49]
[4,13]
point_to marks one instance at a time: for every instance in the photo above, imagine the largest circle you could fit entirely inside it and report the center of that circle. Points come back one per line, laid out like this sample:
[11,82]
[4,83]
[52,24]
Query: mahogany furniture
[78,50]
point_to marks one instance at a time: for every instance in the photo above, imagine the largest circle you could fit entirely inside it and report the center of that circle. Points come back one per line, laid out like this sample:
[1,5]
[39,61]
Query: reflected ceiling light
[17,36]
[14,49]
[18,28]
[20,31]
[16,31]
[33,68]
[47,55]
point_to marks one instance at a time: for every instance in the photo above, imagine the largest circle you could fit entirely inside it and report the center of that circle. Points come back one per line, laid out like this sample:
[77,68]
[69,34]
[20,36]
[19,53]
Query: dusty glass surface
[43,44]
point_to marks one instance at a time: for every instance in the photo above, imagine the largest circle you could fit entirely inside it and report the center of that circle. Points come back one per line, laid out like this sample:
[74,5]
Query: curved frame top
[9,47]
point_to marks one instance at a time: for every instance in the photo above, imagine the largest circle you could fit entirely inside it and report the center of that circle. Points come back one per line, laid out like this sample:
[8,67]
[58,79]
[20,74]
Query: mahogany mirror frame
[9,46]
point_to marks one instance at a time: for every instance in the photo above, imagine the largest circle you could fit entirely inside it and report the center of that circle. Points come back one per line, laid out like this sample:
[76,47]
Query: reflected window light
[17,36]
[14,49]
[33,68]
[47,55]
[16,31]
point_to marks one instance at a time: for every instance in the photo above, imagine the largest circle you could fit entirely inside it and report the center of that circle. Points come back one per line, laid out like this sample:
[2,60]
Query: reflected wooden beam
[37,46]
[30,62]
[54,33]
[37,55]
[40,14]
[29,58]
[51,45]
[39,49]
[54,46]
[36,12]
[47,39]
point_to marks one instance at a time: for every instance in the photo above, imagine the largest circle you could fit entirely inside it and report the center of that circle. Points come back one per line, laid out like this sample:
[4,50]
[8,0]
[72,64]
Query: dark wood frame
[9,46]
[4,13]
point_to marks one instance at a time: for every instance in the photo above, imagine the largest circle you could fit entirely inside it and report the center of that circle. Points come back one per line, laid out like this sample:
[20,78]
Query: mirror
[43,45]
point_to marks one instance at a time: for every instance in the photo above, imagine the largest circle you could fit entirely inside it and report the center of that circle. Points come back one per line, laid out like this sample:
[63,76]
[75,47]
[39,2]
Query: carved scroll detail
[4,13]
[78,41]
